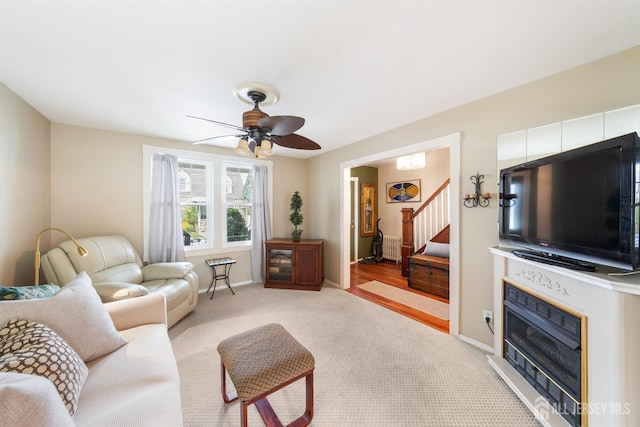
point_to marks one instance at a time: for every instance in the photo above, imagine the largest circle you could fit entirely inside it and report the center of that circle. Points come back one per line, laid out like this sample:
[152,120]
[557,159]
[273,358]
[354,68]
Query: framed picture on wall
[367,209]
[403,191]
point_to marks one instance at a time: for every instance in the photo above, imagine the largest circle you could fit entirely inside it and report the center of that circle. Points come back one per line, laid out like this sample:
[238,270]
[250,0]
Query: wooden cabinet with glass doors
[294,265]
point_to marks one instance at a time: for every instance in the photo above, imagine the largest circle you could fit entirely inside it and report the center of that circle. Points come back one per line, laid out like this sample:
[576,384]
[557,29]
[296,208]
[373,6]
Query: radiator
[391,248]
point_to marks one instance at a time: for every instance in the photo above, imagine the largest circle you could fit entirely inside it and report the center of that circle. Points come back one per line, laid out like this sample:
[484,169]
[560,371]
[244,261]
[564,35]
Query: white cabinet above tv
[583,131]
[544,141]
[533,143]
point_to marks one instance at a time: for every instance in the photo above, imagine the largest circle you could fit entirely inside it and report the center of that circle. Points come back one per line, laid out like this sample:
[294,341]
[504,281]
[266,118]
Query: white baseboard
[480,345]
[330,283]
[233,285]
[250,282]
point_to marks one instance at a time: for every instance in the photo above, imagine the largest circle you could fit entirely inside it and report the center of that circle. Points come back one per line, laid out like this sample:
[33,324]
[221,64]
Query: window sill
[189,253]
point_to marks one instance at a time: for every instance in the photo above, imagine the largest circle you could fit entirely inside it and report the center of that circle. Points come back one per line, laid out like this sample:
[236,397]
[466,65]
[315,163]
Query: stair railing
[421,225]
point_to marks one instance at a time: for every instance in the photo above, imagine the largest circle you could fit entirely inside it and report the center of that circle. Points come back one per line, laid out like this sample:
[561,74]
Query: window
[193,182]
[238,201]
[216,198]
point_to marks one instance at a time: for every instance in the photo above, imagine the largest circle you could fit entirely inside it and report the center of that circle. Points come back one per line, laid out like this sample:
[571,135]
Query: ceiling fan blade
[219,138]
[281,125]
[216,122]
[296,141]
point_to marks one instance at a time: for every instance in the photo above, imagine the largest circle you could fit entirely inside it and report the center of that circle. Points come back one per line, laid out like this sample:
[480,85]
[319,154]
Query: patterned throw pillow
[28,292]
[32,348]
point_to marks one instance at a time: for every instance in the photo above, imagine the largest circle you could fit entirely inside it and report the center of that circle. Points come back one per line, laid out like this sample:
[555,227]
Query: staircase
[430,222]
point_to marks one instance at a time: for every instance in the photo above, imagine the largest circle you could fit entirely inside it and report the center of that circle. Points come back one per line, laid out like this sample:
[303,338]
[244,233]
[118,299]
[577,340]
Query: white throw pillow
[437,249]
[31,400]
[75,313]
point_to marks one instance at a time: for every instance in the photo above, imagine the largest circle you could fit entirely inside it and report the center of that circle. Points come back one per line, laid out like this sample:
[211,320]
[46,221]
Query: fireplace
[593,316]
[543,341]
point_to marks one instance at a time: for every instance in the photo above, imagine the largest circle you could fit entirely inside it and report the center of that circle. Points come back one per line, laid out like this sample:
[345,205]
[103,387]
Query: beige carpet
[425,304]
[374,367]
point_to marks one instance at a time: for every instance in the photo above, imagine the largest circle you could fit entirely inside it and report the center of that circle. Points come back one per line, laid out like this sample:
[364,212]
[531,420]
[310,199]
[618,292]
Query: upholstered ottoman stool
[261,361]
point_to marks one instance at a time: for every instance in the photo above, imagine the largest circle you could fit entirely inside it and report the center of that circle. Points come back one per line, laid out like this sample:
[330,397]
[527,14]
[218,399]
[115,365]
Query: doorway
[453,142]
[355,226]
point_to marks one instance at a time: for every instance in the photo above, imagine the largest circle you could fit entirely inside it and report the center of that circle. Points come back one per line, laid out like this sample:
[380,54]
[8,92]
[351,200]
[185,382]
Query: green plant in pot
[295,217]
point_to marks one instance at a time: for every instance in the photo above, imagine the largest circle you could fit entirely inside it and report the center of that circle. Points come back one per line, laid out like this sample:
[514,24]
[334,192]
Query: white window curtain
[165,225]
[260,223]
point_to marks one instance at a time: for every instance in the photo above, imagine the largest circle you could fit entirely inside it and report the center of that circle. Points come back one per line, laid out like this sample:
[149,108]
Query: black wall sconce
[478,198]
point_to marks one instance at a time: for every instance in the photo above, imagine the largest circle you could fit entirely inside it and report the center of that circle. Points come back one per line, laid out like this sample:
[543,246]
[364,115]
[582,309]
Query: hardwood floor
[390,273]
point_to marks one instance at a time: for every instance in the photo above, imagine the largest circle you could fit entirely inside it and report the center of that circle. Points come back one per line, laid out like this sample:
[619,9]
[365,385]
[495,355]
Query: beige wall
[96,182]
[290,175]
[603,85]
[432,176]
[25,199]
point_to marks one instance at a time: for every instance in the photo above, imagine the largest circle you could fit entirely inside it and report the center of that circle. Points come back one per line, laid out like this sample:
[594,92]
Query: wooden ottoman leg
[227,397]
[269,416]
[305,419]
[309,411]
[244,406]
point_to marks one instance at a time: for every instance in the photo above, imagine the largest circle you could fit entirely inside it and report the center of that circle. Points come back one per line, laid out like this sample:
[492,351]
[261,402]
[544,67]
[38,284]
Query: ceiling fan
[260,131]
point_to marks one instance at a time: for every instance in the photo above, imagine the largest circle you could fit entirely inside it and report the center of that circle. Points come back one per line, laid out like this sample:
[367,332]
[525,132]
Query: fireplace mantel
[612,307]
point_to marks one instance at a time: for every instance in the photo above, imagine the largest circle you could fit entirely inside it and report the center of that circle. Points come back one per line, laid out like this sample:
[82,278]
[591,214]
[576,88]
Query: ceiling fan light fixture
[243,147]
[265,145]
[259,153]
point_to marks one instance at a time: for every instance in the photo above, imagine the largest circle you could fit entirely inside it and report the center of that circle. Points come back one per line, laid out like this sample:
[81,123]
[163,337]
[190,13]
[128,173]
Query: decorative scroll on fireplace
[546,344]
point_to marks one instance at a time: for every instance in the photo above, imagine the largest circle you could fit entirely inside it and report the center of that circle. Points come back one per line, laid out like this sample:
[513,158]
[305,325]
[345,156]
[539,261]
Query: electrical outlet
[487,314]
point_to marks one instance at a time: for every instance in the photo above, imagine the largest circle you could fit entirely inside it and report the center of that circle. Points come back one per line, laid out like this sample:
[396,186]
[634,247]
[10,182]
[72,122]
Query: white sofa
[135,381]
[117,272]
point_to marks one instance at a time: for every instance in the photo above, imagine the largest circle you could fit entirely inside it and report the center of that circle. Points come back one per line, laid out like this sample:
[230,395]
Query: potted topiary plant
[295,217]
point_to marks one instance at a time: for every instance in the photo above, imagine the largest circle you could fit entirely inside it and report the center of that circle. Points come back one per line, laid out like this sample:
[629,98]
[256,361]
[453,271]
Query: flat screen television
[578,208]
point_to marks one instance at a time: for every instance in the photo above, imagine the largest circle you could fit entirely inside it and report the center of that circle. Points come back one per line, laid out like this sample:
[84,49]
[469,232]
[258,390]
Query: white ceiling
[352,68]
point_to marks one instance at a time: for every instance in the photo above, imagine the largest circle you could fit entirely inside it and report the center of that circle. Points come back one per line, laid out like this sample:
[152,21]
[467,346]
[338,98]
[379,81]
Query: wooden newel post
[407,239]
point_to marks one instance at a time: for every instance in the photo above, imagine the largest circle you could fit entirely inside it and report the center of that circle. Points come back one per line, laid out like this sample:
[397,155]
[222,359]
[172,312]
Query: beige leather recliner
[117,272]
